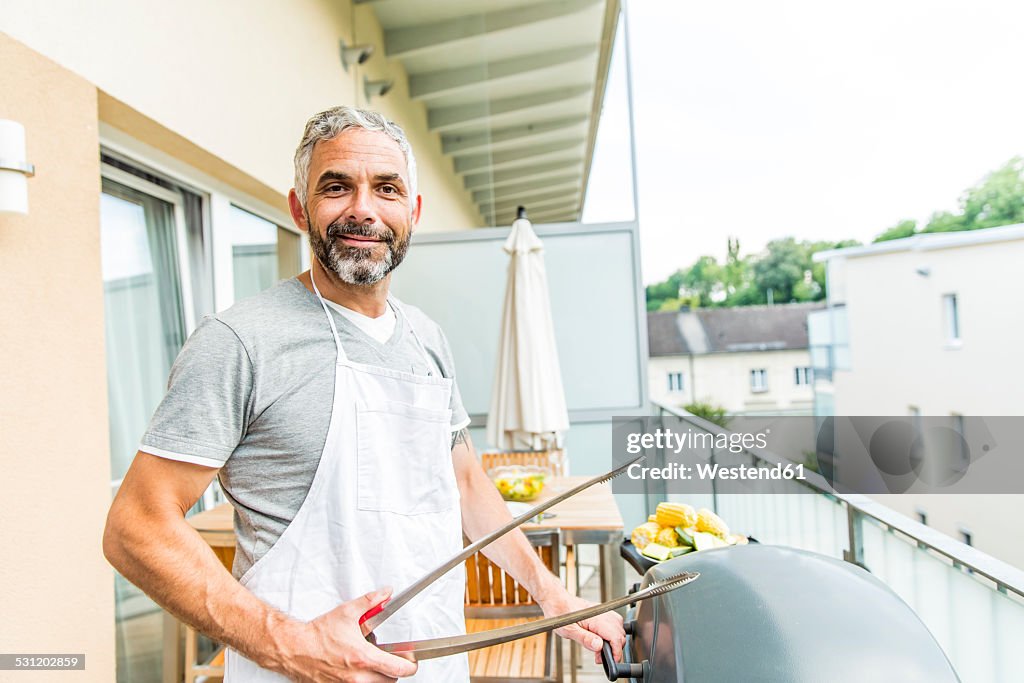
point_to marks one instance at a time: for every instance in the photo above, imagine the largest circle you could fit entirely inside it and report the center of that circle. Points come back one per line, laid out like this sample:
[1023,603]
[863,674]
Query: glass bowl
[519,482]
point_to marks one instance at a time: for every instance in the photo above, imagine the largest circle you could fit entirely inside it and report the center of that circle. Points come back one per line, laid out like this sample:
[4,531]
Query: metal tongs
[453,645]
[440,647]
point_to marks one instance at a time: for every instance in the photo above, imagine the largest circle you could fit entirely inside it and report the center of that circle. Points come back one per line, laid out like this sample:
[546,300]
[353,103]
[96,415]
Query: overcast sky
[820,120]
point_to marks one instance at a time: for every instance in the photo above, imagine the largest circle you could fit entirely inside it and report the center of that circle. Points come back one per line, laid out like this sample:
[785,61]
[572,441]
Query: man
[328,410]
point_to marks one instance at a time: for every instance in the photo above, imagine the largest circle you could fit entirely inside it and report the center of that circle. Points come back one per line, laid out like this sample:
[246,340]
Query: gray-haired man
[329,411]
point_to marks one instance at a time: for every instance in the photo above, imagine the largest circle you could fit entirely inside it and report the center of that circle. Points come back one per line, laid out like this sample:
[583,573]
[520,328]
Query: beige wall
[724,379]
[57,590]
[238,78]
[897,339]
[900,358]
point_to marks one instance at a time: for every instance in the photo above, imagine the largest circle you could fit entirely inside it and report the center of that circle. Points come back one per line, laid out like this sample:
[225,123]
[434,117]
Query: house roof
[514,88]
[729,330]
[664,338]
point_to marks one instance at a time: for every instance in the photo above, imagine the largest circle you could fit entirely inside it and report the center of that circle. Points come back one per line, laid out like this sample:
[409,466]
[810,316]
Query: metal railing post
[855,530]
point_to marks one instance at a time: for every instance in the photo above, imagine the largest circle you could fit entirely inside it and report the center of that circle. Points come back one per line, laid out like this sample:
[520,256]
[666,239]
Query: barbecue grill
[769,613]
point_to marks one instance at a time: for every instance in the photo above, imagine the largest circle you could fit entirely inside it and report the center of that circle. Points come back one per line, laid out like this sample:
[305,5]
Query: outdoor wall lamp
[14,170]
[376,88]
[355,54]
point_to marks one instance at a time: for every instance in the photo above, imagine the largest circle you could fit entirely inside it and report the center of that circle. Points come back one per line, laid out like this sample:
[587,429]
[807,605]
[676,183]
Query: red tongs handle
[374,611]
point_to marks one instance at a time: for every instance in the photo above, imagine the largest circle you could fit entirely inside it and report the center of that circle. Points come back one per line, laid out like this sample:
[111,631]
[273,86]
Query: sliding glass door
[147,317]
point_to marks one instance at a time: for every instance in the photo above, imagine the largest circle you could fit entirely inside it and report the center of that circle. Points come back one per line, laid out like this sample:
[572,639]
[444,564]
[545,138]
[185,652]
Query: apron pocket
[404,459]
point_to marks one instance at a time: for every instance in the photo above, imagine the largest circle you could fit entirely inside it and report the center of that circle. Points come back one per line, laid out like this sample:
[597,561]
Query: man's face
[358,210]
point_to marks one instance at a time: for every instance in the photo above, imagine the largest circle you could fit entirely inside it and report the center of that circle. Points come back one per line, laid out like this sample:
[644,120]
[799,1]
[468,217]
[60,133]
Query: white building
[929,325]
[750,360]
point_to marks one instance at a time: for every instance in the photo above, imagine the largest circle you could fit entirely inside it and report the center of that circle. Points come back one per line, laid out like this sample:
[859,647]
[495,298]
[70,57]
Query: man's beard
[358,265]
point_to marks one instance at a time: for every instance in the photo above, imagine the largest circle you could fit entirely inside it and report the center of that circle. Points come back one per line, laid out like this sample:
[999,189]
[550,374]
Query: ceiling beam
[468,142]
[491,179]
[477,162]
[555,215]
[406,42]
[497,194]
[536,202]
[437,83]
[447,118]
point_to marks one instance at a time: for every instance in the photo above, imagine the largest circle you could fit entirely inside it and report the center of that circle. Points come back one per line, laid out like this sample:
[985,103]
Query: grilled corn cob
[675,514]
[644,534]
[710,522]
[668,538]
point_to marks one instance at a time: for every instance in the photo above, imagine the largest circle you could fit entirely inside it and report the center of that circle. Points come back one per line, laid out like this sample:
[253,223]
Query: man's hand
[334,648]
[590,632]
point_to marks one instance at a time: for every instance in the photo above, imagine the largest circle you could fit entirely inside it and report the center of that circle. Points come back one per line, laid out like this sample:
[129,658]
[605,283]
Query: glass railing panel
[1008,620]
[979,628]
[932,601]
[972,647]
[806,521]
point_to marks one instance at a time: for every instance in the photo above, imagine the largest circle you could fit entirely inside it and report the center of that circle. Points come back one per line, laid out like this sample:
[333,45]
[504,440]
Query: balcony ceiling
[514,88]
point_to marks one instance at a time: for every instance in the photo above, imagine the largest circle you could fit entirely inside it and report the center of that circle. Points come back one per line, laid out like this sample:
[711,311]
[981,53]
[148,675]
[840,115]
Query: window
[261,253]
[804,375]
[951,318]
[676,382]
[154,287]
[759,380]
[148,309]
[963,454]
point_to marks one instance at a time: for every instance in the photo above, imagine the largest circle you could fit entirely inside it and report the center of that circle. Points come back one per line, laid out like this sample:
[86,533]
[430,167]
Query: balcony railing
[972,603]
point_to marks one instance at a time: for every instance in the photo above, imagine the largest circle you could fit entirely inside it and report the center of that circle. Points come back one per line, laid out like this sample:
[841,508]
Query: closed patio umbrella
[527,402]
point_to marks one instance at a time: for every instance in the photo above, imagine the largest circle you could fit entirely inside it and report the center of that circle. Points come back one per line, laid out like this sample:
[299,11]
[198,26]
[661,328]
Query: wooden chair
[555,460]
[495,600]
[213,668]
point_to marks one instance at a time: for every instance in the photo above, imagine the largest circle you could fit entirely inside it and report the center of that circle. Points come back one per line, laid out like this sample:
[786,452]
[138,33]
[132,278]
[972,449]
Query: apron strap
[423,349]
[330,319]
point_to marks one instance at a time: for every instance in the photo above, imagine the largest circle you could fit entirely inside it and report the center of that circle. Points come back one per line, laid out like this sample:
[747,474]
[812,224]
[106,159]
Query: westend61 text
[709,472]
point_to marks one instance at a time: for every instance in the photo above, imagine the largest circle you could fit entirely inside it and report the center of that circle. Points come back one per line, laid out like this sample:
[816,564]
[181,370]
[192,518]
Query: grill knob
[615,671]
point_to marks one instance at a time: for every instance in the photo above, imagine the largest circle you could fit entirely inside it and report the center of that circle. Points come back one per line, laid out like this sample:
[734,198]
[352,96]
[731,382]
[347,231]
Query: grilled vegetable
[657,552]
[711,523]
[675,514]
[702,540]
[685,535]
[668,538]
[644,534]
[681,550]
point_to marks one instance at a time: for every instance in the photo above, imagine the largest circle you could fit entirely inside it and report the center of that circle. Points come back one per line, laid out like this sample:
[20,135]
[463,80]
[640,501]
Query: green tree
[905,228]
[662,291]
[944,221]
[708,411]
[780,268]
[703,279]
[997,200]
[735,272]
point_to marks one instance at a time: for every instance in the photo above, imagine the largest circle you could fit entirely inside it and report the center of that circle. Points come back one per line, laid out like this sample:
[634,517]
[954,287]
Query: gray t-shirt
[251,393]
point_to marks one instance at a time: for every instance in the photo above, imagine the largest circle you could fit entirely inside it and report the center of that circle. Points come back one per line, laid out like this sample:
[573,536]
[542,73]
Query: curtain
[144,318]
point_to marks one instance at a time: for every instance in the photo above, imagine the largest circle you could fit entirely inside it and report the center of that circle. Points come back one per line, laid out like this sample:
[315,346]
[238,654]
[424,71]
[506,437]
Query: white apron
[383,509]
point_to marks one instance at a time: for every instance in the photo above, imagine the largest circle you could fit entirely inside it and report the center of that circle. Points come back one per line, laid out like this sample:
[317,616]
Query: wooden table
[588,518]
